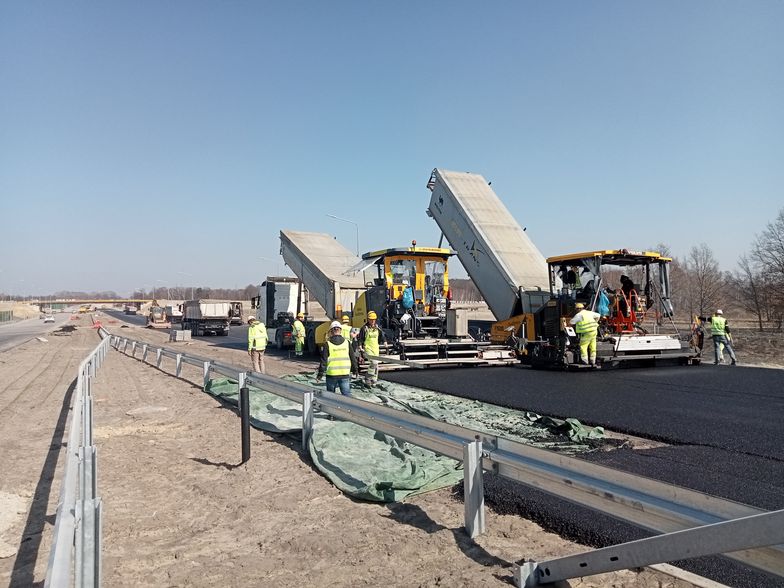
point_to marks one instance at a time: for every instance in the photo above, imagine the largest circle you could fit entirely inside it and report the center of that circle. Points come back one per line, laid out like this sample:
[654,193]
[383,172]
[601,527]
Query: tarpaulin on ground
[374,466]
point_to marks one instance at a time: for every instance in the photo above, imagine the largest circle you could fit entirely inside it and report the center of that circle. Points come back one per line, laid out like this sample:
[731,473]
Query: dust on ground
[180,510]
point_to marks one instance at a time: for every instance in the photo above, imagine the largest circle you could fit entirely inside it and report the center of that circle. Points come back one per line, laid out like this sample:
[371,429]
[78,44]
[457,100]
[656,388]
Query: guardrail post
[207,368]
[125,345]
[244,401]
[178,365]
[158,356]
[307,419]
[144,352]
[133,349]
[473,489]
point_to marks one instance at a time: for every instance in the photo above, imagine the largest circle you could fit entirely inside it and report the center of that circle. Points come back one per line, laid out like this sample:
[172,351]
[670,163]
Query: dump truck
[276,306]
[206,316]
[533,298]
[173,313]
[346,284]
[156,318]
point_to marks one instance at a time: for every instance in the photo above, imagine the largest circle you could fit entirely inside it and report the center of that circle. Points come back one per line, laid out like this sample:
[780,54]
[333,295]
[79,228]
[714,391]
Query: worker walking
[720,331]
[586,325]
[370,336]
[299,334]
[338,361]
[257,343]
[345,328]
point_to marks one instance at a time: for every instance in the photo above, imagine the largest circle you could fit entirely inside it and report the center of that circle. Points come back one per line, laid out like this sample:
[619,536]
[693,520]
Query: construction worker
[586,325]
[257,343]
[370,336]
[720,331]
[299,334]
[346,328]
[338,361]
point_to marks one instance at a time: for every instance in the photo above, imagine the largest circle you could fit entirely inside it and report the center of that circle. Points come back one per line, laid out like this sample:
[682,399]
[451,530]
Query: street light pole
[345,220]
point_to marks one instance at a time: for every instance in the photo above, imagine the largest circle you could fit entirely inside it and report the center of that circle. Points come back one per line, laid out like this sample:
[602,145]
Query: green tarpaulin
[374,466]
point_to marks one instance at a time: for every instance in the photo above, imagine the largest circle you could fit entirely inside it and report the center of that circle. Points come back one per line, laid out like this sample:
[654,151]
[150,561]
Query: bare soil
[181,511]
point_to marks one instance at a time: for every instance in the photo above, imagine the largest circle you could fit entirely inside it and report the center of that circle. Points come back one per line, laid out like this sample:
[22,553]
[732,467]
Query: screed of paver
[180,510]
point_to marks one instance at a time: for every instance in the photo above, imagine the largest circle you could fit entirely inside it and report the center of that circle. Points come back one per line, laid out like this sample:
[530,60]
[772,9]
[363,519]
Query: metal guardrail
[75,555]
[693,523]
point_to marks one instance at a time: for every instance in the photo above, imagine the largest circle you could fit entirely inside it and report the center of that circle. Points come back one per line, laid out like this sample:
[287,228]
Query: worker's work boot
[734,362]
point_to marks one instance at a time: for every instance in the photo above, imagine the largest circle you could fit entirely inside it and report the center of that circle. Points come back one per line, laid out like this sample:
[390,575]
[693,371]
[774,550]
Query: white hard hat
[335,325]
[719,311]
[405,282]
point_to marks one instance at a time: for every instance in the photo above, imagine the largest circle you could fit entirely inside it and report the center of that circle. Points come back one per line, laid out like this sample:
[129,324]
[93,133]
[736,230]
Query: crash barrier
[76,548]
[6,316]
[692,523]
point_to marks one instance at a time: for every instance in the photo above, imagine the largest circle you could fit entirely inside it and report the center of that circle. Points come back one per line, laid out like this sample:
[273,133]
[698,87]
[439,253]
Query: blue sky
[143,141]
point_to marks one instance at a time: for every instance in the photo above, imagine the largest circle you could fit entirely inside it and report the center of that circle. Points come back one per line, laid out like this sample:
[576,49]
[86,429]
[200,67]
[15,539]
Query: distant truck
[156,318]
[206,316]
[276,307]
[173,313]
[236,317]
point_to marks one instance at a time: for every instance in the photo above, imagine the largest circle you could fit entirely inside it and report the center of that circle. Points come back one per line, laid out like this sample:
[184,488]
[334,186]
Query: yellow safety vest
[587,323]
[718,325]
[257,337]
[338,359]
[299,329]
[345,330]
[371,341]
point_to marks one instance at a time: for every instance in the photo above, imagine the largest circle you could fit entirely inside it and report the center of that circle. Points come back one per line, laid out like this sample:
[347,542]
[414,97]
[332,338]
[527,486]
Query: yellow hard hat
[300,315]
[372,315]
[345,318]
[579,305]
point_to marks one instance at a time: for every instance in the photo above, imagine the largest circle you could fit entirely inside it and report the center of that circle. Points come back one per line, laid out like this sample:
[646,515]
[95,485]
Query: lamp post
[190,276]
[345,220]
[168,292]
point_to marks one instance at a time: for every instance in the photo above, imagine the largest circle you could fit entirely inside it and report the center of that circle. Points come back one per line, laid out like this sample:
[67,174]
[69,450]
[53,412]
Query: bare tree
[749,281]
[768,254]
[705,283]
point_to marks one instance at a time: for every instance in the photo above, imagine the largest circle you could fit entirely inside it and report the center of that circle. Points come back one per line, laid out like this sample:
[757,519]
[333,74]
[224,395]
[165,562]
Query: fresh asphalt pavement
[721,424]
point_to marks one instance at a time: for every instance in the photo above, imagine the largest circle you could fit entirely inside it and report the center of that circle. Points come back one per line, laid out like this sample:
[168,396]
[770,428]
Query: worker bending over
[370,336]
[338,361]
[586,325]
[257,343]
[720,331]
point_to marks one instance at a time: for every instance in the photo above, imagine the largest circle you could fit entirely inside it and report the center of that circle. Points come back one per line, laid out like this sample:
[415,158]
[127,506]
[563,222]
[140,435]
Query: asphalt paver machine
[533,298]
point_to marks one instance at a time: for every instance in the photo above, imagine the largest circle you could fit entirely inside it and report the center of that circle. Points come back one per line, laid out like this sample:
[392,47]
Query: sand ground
[179,510]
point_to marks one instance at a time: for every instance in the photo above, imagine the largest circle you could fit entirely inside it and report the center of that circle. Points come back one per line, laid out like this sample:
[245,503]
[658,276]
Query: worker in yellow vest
[299,334]
[370,337]
[338,361]
[345,328]
[586,325]
[720,331]
[257,343]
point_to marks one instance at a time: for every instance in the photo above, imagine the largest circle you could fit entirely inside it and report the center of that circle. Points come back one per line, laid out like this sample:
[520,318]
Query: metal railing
[75,556]
[693,523]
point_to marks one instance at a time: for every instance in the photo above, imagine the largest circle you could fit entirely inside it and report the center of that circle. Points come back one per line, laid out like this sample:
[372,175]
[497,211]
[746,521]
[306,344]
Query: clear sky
[152,143]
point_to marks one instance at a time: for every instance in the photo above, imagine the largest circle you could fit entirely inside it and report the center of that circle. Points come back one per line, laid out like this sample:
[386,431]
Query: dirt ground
[180,511]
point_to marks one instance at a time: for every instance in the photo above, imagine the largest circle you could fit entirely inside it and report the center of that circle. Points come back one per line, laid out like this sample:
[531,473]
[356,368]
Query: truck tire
[279,340]
[310,342]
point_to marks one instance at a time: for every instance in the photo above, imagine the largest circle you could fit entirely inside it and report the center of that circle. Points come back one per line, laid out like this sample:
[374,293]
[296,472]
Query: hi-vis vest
[299,329]
[345,330]
[371,341]
[257,337]
[338,360]
[718,324]
[587,324]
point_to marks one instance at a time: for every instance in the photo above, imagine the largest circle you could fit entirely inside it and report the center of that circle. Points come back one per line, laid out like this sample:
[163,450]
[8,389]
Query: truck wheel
[310,342]
[278,341]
